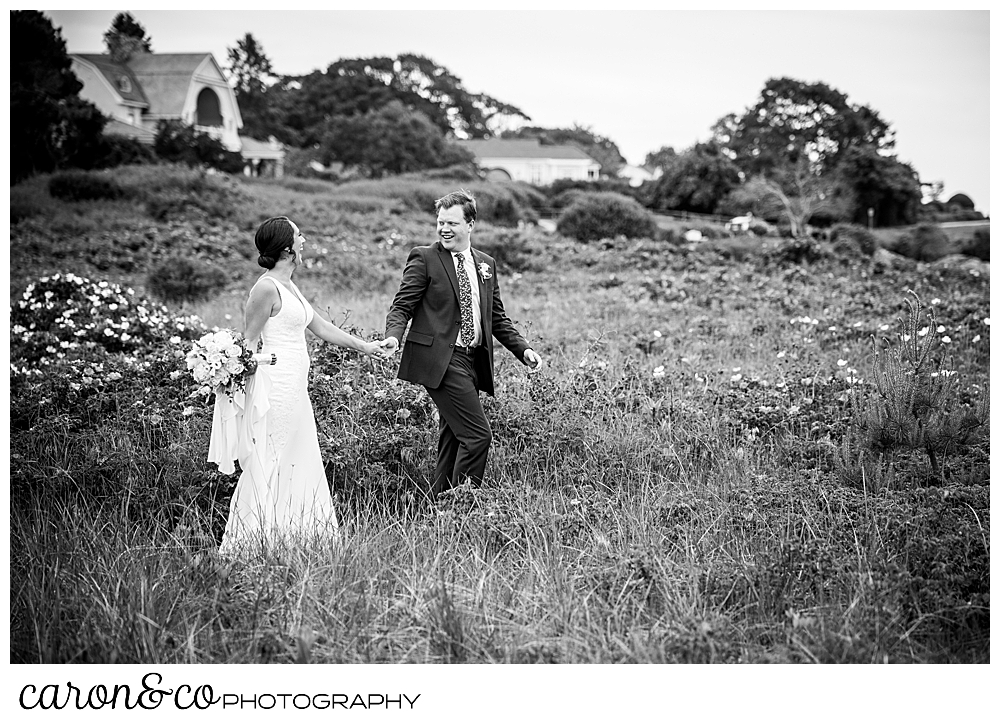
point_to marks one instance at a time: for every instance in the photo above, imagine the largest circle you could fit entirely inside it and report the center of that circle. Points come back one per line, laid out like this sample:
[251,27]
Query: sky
[642,78]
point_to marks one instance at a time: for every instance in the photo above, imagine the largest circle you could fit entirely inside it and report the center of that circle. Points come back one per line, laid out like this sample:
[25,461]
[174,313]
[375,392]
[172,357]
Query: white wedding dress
[282,493]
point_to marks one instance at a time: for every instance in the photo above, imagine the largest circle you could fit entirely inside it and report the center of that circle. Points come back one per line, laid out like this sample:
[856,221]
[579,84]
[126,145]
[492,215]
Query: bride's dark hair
[273,237]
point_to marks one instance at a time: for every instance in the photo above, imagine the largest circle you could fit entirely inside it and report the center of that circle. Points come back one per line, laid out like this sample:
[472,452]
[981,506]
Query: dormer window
[124,84]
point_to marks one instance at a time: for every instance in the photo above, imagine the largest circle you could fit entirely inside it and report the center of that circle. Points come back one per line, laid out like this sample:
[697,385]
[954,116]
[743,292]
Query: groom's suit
[428,298]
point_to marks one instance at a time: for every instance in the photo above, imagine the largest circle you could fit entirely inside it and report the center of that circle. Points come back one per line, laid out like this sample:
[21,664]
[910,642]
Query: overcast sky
[643,78]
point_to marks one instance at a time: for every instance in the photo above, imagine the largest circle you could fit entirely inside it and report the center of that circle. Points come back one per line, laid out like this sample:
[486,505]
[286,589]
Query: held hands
[532,359]
[388,346]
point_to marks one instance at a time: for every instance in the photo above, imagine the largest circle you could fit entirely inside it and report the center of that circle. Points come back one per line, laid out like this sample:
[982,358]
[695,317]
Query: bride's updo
[273,237]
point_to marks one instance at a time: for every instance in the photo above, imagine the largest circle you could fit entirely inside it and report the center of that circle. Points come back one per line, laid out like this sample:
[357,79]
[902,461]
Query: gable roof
[166,78]
[112,71]
[520,148]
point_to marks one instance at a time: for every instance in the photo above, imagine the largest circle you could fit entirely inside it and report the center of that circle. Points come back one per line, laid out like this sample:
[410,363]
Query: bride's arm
[329,332]
[260,307]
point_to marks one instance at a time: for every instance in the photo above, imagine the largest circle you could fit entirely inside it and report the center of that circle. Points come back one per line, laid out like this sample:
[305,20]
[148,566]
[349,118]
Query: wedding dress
[282,491]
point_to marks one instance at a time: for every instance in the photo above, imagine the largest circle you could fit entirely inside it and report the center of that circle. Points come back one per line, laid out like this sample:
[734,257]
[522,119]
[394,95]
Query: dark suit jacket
[428,295]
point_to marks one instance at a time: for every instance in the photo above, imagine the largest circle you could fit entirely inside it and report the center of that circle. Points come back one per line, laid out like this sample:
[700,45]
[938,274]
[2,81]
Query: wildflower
[841,362]
[940,328]
[976,338]
[923,332]
[883,327]
[175,340]
[659,372]
[935,300]
[736,378]
[228,317]
[781,354]
[156,419]
[831,329]
[112,376]
[946,339]
[50,349]
[188,411]
[987,321]
[126,336]
[656,333]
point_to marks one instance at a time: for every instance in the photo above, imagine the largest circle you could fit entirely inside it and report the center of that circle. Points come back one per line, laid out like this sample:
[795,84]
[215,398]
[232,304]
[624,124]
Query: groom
[451,293]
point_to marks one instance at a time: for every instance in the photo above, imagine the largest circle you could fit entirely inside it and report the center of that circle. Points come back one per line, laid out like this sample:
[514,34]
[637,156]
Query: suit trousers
[465,434]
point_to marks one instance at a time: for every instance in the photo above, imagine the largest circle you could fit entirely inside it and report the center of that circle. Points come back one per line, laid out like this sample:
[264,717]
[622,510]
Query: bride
[283,487]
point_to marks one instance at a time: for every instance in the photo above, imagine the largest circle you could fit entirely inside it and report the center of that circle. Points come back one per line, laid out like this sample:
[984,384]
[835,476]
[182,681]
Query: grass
[664,490]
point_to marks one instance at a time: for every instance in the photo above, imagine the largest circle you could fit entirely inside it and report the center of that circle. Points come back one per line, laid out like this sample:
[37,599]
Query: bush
[84,186]
[184,280]
[759,228]
[927,242]
[66,316]
[978,246]
[604,216]
[852,239]
[121,151]
[509,249]
[180,143]
[802,250]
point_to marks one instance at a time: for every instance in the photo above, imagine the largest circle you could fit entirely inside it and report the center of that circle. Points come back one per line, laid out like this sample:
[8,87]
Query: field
[693,476]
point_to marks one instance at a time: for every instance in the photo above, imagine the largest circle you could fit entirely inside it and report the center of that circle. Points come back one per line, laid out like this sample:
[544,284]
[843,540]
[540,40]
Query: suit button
[451,345]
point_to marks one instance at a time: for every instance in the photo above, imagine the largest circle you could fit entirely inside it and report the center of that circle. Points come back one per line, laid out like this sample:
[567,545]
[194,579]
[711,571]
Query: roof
[112,71]
[166,78]
[252,148]
[521,148]
[114,127]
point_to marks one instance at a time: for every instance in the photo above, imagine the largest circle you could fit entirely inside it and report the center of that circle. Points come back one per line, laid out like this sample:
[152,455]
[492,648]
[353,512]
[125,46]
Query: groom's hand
[532,359]
[389,346]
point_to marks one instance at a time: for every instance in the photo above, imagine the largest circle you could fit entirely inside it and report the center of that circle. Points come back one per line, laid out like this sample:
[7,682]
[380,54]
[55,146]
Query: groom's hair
[273,237]
[461,198]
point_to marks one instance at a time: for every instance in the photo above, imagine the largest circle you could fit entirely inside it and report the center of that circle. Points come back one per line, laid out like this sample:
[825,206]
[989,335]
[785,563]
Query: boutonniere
[484,271]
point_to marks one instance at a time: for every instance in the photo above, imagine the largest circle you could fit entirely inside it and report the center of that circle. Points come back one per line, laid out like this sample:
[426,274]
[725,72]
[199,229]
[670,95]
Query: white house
[528,160]
[637,175]
[740,223]
[187,87]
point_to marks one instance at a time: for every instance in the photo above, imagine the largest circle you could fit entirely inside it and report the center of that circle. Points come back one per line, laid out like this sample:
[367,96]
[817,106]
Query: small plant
[928,242]
[913,405]
[184,280]
[851,239]
[83,186]
[605,216]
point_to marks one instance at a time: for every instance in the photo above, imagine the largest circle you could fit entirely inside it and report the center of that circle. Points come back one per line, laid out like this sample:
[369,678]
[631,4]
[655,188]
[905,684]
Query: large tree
[601,149]
[50,124]
[251,74]
[389,140]
[357,86]
[696,180]
[793,120]
[126,37]
[890,188]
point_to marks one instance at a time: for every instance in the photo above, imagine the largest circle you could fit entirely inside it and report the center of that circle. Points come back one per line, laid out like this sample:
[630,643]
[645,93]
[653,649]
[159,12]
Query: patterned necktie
[465,298]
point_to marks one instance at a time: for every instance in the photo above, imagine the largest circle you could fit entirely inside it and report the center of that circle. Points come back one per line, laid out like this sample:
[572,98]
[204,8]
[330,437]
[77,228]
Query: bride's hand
[371,349]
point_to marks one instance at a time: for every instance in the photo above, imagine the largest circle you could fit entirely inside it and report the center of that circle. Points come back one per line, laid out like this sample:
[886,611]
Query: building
[528,160]
[186,87]
[638,175]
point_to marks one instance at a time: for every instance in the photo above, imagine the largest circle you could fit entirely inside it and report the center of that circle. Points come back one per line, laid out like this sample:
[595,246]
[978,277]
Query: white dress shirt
[477,315]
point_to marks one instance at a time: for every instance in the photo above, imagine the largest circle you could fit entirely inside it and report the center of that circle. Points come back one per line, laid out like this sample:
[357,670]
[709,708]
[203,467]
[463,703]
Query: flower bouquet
[223,361]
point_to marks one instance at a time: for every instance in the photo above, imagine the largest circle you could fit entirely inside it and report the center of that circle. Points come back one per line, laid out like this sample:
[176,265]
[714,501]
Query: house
[740,223]
[637,175]
[528,160]
[187,87]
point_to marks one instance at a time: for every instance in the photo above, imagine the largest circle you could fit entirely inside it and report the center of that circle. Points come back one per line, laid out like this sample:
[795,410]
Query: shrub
[927,242]
[180,143]
[508,248]
[852,239]
[759,228]
[65,316]
[802,250]
[185,280]
[121,151]
[978,246]
[604,216]
[83,186]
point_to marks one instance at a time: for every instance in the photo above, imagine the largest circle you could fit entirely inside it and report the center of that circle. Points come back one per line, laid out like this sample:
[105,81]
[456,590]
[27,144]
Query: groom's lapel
[448,262]
[484,286]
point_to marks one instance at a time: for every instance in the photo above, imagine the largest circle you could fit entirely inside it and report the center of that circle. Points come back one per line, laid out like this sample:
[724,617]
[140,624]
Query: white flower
[841,362]
[656,333]
[234,366]
[175,340]
[946,339]
[484,271]
[987,321]
[923,332]
[781,354]
[940,328]
[188,411]
[976,338]
[659,372]
[736,378]
[935,300]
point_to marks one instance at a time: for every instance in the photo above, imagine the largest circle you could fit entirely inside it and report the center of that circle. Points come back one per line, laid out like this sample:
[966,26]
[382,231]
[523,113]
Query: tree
[792,120]
[881,183]
[601,149]
[356,86]
[389,140]
[696,180]
[250,72]
[663,159]
[50,123]
[796,193]
[181,143]
[126,37]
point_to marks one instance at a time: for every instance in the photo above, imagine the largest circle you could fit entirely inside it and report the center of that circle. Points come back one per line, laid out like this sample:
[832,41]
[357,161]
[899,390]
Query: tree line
[803,152]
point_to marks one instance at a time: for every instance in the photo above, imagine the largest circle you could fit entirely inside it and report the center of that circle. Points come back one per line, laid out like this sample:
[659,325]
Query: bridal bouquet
[223,361]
